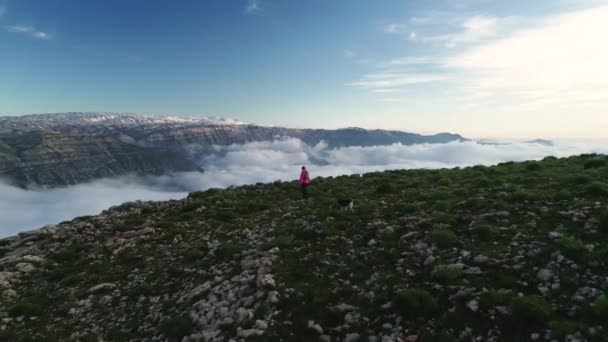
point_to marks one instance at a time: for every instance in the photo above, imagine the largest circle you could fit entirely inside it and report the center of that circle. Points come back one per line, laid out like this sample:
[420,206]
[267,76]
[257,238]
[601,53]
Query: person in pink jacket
[304,181]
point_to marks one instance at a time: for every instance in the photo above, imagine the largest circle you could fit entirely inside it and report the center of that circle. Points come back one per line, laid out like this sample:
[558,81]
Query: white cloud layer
[258,162]
[28,30]
[562,60]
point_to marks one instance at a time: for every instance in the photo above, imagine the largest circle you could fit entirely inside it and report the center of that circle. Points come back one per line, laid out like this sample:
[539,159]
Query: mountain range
[49,150]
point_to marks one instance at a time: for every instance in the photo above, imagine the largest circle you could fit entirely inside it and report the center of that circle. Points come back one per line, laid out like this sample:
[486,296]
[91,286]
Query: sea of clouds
[260,162]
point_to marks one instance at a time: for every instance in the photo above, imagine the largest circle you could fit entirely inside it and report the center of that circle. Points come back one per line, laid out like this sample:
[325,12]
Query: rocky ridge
[186,141]
[515,252]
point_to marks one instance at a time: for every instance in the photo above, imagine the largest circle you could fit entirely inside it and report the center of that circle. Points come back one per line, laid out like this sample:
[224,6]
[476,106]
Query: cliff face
[48,159]
[69,148]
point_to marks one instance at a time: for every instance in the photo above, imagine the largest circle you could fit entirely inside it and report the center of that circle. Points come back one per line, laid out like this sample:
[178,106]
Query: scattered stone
[101,287]
[473,305]
[544,274]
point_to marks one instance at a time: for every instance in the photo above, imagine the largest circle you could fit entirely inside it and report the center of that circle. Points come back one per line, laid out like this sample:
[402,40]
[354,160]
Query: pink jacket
[304,179]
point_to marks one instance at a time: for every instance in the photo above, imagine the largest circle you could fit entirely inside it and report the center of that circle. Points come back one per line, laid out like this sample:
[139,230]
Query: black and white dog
[346,204]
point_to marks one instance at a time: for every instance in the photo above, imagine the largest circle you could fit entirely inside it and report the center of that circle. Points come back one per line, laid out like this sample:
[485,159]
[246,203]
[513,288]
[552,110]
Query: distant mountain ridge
[58,146]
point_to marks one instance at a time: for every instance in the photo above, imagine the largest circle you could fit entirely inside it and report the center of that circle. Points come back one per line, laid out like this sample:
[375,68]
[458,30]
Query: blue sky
[481,68]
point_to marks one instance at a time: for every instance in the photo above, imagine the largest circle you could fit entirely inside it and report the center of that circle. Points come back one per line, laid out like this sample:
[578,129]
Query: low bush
[595,163]
[227,250]
[192,254]
[604,221]
[177,327]
[485,232]
[600,307]
[415,302]
[597,189]
[563,328]
[570,246]
[492,298]
[447,273]
[385,188]
[531,309]
[443,238]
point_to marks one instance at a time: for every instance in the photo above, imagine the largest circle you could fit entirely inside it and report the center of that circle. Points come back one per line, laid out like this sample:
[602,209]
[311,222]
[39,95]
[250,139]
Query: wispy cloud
[28,30]
[396,28]
[473,30]
[2,10]
[253,7]
[348,53]
[391,80]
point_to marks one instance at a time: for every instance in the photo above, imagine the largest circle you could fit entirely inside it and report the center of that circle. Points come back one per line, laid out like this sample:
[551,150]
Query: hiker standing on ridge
[304,181]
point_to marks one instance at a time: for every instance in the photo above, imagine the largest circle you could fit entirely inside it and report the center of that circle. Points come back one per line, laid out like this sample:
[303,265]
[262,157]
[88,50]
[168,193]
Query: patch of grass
[531,309]
[595,163]
[227,250]
[416,302]
[176,328]
[491,299]
[385,189]
[563,328]
[447,273]
[3,251]
[70,253]
[192,254]
[597,189]
[33,305]
[570,246]
[533,166]
[443,238]
[600,307]
[485,232]
[283,241]
[604,221]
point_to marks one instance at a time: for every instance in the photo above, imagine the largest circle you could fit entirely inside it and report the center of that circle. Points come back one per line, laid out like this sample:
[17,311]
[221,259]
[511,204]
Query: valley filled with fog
[261,162]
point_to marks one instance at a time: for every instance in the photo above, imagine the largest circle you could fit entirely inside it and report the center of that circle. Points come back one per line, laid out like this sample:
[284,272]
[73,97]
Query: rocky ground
[516,252]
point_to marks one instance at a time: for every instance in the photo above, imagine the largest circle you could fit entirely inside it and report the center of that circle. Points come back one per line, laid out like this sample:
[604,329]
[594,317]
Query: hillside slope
[45,158]
[515,252]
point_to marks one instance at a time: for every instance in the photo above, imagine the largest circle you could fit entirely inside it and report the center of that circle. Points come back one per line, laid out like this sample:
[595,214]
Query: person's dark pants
[304,190]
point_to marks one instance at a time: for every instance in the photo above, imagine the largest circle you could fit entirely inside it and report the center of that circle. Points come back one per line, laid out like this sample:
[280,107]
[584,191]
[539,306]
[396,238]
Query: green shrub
[33,305]
[69,253]
[485,232]
[524,195]
[385,188]
[595,163]
[491,299]
[447,273]
[597,189]
[570,246]
[533,166]
[283,241]
[192,254]
[531,309]
[177,327]
[604,221]
[563,195]
[227,250]
[563,328]
[415,302]
[3,251]
[443,238]
[600,307]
